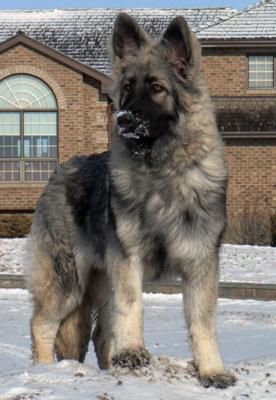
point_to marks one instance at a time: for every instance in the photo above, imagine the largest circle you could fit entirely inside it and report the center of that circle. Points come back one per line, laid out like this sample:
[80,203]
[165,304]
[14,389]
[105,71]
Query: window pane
[39,170]
[267,84]
[260,59]
[25,91]
[9,171]
[260,71]
[261,76]
[9,134]
[36,123]
[40,130]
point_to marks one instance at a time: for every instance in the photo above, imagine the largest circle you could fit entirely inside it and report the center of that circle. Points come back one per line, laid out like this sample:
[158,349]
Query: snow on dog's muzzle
[130,126]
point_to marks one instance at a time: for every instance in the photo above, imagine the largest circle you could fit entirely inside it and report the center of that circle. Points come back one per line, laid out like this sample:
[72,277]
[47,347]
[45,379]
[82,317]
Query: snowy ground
[12,254]
[247,334]
[238,263]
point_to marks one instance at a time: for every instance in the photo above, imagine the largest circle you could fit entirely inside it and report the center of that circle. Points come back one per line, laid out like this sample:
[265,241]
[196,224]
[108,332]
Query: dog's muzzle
[131,126]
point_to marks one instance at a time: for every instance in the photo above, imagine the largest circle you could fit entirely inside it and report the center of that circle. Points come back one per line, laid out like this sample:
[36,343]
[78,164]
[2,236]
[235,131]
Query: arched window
[28,129]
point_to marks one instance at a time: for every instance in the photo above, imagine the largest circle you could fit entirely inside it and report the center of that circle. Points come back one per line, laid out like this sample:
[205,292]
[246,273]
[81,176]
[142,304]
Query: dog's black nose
[125,120]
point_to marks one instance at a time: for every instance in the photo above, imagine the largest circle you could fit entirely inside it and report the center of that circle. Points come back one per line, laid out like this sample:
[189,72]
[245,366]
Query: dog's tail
[50,237]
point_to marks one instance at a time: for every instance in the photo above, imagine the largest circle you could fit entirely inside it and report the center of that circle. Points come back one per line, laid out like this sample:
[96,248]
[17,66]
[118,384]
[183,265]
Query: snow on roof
[255,22]
[83,33]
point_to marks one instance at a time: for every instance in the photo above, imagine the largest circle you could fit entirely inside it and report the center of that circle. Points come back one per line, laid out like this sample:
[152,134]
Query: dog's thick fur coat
[154,204]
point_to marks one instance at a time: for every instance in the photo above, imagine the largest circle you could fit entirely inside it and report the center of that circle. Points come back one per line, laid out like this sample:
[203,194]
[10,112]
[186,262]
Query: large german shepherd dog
[154,204]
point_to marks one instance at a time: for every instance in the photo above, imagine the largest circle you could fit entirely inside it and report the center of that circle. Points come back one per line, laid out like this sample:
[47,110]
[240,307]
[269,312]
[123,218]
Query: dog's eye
[127,87]
[156,88]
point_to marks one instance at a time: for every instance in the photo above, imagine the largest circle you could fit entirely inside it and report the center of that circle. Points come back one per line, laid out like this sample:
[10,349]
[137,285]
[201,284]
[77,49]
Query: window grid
[260,72]
[9,171]
[38,170]
[9,146]
[40,147]
[25,91]
[28,129]
[27,148]
[40,134]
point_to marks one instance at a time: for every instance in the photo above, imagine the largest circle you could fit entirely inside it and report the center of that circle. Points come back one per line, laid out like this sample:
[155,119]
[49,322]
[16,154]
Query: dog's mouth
[131,126]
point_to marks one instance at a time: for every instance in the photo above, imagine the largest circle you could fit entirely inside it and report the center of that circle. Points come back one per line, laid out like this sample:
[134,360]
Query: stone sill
[263,92]
[248,135]
[23,185]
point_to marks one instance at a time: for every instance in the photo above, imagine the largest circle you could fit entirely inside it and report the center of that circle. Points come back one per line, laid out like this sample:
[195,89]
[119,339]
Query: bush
[253,223]
[249,229]
[15,225]
[273,230]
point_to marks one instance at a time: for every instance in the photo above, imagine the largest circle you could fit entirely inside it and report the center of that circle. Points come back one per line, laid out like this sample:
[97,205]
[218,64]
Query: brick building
[239,65]
[54,100]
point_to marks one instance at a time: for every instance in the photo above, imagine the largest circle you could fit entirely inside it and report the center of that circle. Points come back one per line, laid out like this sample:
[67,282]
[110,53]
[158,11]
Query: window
[28,129]
[261,74]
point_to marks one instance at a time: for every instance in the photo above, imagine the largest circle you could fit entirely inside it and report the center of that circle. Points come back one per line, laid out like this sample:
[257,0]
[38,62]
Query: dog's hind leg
[74,333]
[53,301]
[101,290]
[43,331]
[45,324]
[200,299]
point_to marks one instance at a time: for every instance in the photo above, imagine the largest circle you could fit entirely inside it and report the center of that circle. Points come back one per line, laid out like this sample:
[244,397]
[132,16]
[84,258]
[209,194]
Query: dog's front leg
[127,324]
[200,299]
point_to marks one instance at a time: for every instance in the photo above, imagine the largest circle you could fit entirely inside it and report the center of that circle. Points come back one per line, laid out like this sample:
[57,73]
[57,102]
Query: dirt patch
[160,369]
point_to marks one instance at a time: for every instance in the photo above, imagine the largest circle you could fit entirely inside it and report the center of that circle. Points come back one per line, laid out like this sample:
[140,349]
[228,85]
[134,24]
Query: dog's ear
[184,48]
[127,36]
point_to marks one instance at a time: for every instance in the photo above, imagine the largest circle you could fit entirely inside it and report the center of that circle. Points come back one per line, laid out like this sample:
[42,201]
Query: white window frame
[16,167]
[261,67]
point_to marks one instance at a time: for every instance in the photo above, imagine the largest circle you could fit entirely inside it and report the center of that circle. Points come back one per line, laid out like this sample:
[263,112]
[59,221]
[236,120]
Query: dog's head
[154,81]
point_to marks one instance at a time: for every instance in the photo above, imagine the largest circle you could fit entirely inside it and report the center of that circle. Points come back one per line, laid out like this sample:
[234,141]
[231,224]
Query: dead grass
[15,225]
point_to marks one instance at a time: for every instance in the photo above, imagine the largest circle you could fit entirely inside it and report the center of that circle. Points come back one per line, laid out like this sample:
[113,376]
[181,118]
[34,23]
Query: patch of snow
[246,331]
[12,256]
[255,264]
[123,113]
[128,135]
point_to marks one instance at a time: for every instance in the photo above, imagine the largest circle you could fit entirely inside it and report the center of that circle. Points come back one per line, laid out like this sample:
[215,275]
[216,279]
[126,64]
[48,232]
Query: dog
[154,204]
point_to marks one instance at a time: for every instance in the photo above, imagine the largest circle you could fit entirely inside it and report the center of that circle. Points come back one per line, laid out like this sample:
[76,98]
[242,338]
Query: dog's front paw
[219,380]
[132,359]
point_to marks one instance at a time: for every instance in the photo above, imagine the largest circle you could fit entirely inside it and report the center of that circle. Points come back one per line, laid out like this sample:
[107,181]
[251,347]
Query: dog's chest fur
[170,215]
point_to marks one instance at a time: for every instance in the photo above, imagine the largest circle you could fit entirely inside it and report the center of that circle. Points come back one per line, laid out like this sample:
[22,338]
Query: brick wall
[252,176]
[226,72]
[251,162]
[82,116]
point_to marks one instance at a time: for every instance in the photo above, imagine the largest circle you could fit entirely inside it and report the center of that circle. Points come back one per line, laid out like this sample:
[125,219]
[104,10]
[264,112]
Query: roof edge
[215,43]
[72,9]
[245,10]
[23,39]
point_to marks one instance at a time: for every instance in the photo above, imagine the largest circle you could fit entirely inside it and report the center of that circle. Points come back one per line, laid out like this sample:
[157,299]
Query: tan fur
[50,308]
[74,333]
[127,324]
[200,297]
